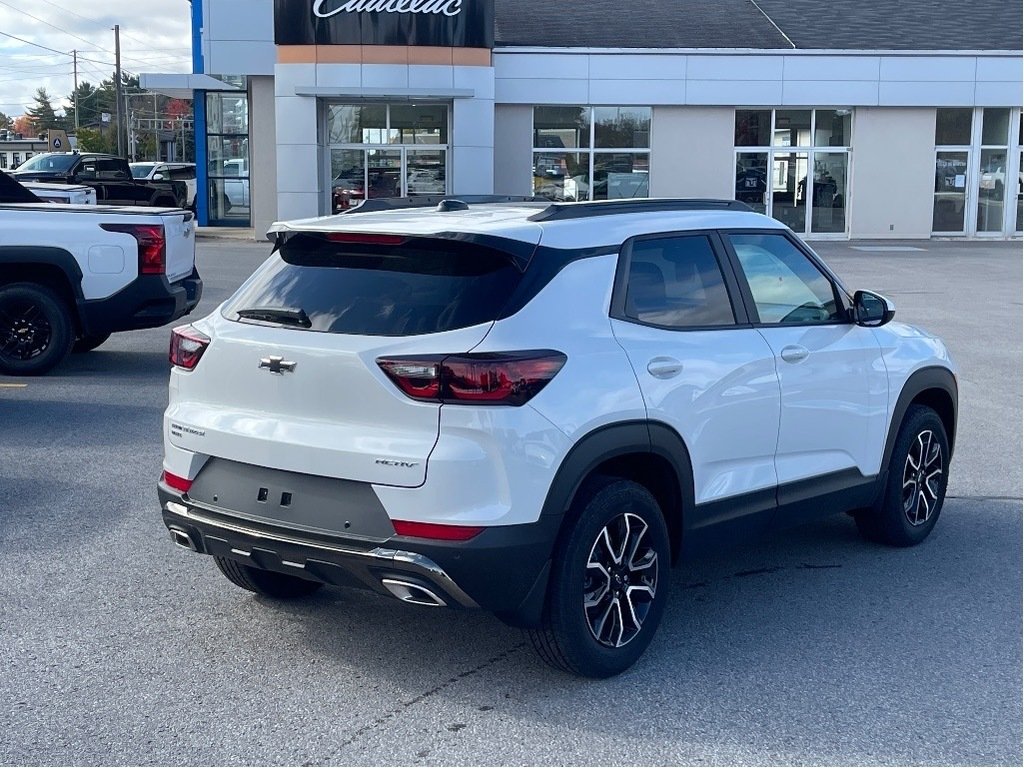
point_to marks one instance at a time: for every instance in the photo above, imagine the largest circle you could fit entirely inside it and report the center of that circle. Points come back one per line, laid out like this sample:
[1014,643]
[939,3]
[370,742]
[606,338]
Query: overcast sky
[155,37]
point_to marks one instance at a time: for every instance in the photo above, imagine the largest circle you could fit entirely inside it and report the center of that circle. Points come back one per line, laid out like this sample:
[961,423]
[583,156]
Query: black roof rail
[442,202]
[565,211]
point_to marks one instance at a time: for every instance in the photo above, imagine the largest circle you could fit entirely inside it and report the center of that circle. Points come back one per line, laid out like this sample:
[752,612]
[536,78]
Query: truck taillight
[489,378]
[152,245]
[187,346]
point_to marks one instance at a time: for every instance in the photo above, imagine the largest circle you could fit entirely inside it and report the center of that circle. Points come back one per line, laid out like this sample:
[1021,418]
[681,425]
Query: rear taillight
[152,245]
[187,346]
[436,530]
[490,378]
[368,238]
[175,482]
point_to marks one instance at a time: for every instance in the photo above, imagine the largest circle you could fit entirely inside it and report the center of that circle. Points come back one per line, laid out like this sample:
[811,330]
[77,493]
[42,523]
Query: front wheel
[916,485]
[35,329]
[608,583]
[280,586]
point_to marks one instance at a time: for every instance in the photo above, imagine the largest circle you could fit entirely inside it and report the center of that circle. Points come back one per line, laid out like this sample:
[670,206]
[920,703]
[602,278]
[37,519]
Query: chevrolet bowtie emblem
[276,364]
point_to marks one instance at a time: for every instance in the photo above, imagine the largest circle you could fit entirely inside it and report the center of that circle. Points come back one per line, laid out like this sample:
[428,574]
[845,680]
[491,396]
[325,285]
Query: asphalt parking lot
[116,647]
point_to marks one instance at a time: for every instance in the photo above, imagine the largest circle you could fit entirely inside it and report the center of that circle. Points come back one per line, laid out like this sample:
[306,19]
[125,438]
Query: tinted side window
[183,173]
[87,170]
[677,282]
[786,286]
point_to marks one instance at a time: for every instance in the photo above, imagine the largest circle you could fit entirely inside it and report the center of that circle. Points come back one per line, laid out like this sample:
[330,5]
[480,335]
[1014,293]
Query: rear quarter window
[424,285]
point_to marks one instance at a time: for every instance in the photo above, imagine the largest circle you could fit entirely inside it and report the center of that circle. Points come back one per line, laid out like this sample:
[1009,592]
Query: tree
[23,125]
[6,123]
[41,115]
[91,140]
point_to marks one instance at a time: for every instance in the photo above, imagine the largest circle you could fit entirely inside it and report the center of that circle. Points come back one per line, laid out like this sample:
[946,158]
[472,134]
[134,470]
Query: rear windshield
[424,285]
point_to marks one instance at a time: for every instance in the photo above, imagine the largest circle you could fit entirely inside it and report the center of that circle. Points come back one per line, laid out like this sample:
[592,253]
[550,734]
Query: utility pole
[117,90]
[75,54]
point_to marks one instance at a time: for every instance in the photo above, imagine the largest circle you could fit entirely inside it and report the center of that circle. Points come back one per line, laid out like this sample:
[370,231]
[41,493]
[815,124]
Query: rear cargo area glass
[424,285]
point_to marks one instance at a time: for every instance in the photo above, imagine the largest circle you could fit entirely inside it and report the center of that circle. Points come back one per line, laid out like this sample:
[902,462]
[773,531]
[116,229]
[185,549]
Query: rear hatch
[290,379]
[180,236]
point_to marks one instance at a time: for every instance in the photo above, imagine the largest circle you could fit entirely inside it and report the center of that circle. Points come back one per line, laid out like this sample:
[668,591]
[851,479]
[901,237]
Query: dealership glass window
[385,150]
[227,158]
[793,165]
[976,161]
[3,159]
[609,152]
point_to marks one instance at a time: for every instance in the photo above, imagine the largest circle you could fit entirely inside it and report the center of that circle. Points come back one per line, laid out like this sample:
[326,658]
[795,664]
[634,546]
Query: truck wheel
[89,343]
[608,585]
[266,583]
[35,329]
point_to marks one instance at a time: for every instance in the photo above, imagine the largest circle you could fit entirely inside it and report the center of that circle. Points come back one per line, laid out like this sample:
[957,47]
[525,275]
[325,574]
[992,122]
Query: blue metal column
[199,117]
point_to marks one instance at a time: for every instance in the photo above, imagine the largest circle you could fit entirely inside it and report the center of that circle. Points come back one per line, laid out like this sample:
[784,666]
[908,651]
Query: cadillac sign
[447,23]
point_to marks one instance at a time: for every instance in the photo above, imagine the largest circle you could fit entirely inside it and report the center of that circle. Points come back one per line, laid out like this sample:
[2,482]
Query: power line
[47,23]
[53,50]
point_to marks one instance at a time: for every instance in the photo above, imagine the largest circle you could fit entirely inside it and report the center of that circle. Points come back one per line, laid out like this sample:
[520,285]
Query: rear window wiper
[275,315]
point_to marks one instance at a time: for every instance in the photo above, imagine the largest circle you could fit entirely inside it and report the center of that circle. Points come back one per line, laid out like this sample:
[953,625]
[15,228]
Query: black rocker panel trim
[30,255]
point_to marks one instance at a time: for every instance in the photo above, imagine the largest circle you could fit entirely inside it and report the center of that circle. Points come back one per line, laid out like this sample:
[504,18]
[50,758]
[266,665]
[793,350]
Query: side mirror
[872,310]
[158,177]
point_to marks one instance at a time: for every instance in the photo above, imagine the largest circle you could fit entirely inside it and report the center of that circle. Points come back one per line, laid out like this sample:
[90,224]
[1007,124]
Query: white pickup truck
[70,275]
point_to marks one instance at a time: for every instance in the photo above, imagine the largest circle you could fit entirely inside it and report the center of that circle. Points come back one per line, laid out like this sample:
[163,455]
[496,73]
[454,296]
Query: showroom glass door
[793,165]
[385,150]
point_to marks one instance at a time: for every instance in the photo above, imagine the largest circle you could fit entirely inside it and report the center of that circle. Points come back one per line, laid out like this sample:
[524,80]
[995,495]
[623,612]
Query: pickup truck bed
[70,275]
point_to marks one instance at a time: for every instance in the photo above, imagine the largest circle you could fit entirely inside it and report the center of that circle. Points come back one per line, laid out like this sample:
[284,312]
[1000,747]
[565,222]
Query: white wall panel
[239,20]
[637,67]
[296,119]
[233,57]
[692,152]
[430,76]
[926,94]
[480,79]
[297,205]
[513,149]
[997,94]
[288,76]
[533,91]
[297,167]
[337,75]
[1006,68]
[734,67]
[925,68]
[831,67]
[738,93]
[473,123]
[473,170]
[385,76]
[648,92]
[816,93]
[542,65]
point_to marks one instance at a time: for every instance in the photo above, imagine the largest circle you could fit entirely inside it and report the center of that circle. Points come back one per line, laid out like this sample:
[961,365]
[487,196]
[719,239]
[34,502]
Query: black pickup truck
[109,175]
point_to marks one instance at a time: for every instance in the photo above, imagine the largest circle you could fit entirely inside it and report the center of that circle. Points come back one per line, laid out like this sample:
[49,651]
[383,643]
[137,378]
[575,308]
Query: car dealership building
[852,118]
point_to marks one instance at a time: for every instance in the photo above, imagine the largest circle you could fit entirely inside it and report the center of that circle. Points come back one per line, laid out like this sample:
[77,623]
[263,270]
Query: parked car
[71,275]
[109,175]
[536,409]
[164,171]
[236,185]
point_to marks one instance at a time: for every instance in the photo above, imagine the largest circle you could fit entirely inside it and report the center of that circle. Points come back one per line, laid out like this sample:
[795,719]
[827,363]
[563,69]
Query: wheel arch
[55,268]
[934,387]
[647,452]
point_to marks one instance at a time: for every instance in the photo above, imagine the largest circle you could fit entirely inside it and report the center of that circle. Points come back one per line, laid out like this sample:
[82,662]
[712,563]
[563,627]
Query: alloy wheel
[620,581]
[922,478]
[25,331]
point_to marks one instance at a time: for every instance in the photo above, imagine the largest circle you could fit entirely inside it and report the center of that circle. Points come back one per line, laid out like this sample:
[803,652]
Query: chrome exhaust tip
[182,539]
[409,592]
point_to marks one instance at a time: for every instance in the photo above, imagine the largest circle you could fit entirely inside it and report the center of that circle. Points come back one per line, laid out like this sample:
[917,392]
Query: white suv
[535,409]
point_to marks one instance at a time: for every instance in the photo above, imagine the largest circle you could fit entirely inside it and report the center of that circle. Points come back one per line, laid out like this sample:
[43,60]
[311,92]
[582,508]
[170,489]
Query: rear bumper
[148,302]
[503,569]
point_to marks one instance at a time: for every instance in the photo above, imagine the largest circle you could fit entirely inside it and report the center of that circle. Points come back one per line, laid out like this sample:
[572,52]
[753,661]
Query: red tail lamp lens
[436,530]
[152,245]
[491,378]
[187,346]
[175,482]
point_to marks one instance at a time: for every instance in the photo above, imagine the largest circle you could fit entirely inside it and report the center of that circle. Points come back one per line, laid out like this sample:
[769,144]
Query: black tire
[36,329]
[574,637]
[280,586]
[916,486]
[89,343]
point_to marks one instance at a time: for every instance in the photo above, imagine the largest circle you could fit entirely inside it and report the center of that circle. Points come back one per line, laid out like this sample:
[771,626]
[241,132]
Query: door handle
[794,353]
[664,367]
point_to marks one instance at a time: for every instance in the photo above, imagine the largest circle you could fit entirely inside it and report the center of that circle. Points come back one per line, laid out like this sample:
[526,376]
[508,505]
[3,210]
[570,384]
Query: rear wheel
[35,329]
[268,583]
[916,486]
[608,583]
[89,343]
